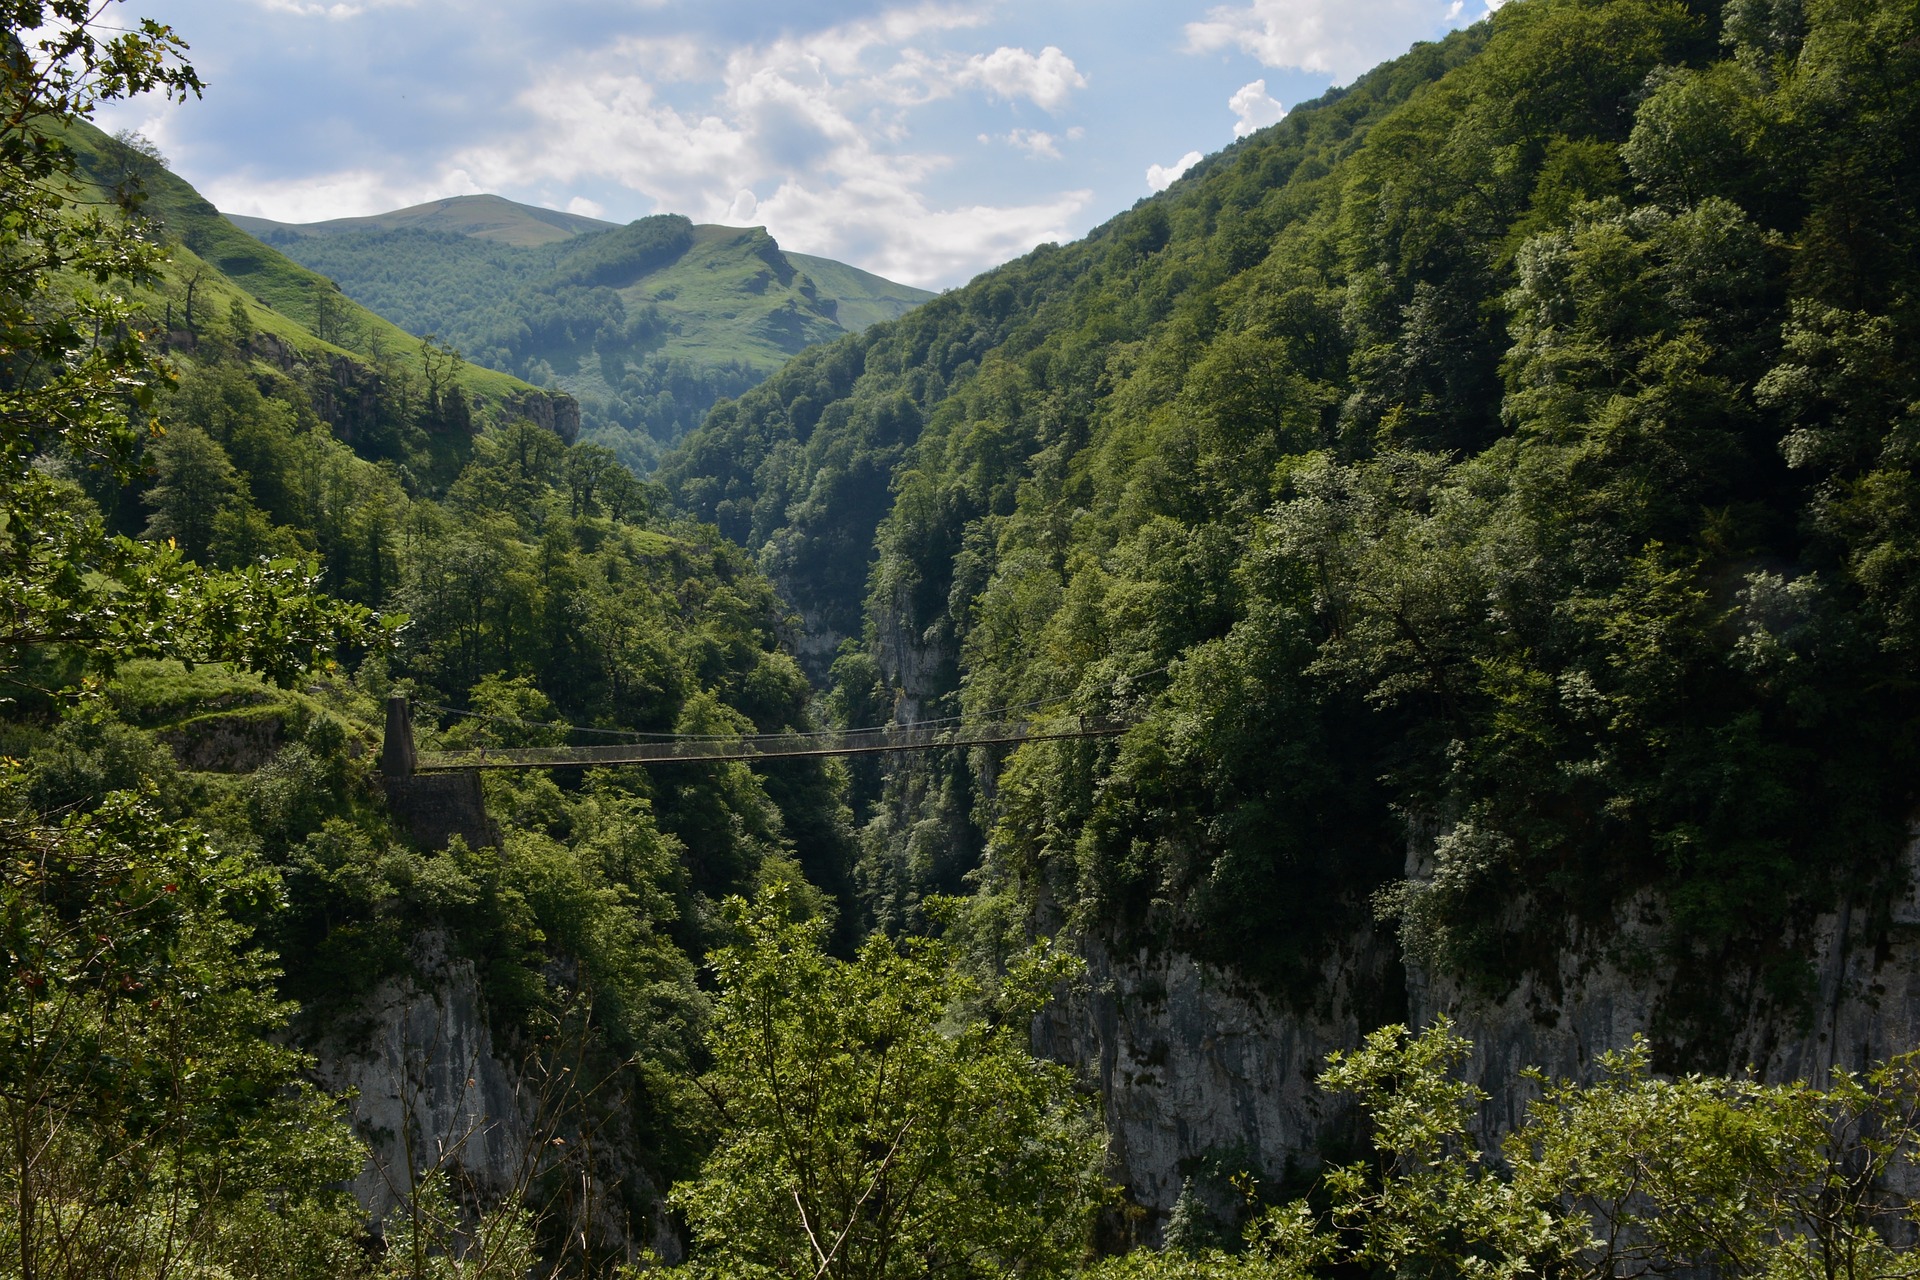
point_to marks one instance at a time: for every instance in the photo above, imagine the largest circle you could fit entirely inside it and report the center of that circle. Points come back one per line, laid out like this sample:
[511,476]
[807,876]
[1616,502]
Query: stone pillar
[397,758]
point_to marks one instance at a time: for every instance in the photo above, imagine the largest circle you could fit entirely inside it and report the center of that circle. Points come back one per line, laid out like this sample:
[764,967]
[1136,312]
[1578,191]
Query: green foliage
[77,380]
[873,1123]
[433,1239]
[543,593]
[1510,456]
[150,1126]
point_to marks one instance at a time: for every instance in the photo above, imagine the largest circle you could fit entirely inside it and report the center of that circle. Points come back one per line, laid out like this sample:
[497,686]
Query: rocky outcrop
[426,1088]
[556,411]
[1865,1005]
[1195,1066]
[238,741]
[1199,1071]
[347,393]
[431,1090]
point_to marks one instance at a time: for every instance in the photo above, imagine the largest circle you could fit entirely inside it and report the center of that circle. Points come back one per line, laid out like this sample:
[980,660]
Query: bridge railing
[775,746]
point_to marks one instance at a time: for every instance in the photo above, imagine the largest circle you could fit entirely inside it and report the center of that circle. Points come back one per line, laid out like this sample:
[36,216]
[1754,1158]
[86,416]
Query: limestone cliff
[426,1087]
[429,1089]
[1197,1071]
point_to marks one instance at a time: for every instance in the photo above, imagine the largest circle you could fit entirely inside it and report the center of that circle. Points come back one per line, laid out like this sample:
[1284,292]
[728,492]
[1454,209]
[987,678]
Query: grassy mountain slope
[225,265]
[482,217]
[648,325]
[863,298]
[1510,458]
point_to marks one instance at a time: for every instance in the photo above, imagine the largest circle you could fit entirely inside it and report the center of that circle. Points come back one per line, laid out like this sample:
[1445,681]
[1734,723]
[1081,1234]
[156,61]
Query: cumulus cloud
[896,232]
[820,135]
[1036,142]
[1161,176]
[815,124]
[1255,107]
[1341,38]
[743,210]
[346,194]
[336,11]
[1047,78]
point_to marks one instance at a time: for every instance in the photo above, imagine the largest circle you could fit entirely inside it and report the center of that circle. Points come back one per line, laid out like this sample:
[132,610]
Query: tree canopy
[1505,457]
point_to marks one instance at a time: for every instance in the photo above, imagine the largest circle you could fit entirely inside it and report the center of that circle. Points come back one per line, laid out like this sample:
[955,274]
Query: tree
[329,313]
[77,381]
[194,482]
[446,409]
[876,1122]
[149,1124]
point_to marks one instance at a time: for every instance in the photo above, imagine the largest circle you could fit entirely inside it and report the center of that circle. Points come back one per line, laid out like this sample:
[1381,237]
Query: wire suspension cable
[773,746]
[656,736]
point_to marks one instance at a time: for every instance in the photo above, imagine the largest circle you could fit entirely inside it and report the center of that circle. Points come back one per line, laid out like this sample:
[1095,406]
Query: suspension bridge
[400,759]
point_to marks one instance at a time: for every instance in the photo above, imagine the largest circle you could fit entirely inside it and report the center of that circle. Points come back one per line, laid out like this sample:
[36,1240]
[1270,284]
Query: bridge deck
[772,746]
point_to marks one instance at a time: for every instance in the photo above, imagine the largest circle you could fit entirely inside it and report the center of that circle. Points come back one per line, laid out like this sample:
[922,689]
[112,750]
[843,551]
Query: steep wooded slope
[541,588]
[1511,455]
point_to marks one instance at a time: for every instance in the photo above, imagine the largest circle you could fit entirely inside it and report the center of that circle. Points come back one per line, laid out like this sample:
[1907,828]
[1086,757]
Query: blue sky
[926,142]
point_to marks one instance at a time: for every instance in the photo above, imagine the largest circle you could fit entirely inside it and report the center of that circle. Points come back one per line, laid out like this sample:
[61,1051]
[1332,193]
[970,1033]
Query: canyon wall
[1200,1073]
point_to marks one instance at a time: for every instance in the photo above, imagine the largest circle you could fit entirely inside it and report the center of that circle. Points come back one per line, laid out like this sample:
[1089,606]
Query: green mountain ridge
[647,325]
[291,304]
[484,217]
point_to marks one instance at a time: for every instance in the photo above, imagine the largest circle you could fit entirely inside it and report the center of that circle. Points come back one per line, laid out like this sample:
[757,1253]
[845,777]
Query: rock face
[556,411]
[1195,1066]
[431,1091]
[237,741]
[1200,1072]
[426,1083]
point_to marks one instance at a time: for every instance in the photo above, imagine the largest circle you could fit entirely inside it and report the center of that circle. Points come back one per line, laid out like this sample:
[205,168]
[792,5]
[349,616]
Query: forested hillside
[1487,496]
[648,325]
[225,540]
[1508,458]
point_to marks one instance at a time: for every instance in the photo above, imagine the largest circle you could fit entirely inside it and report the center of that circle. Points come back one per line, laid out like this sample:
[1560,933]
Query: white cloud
[1161,176]
[347,194]
[1341,38]
[820,121]
[1047,78]
[811,134]
[742,211]
[337,11]
[1035,142]
[1255,108]
[893,230]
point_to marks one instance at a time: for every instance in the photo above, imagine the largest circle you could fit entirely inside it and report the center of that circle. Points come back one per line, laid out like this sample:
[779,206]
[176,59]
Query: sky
[925,142]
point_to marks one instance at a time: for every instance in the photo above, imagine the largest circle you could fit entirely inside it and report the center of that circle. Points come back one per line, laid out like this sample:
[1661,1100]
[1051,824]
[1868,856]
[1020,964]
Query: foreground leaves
[873,1125]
